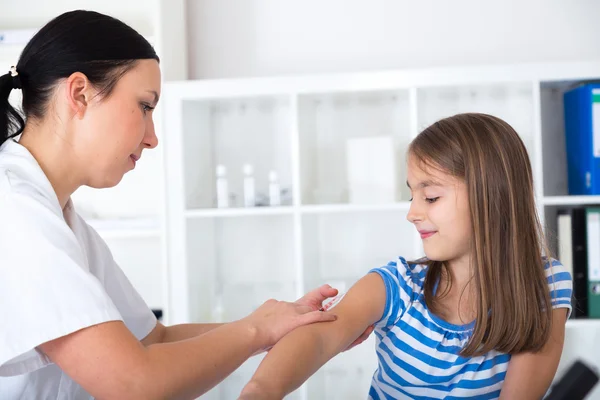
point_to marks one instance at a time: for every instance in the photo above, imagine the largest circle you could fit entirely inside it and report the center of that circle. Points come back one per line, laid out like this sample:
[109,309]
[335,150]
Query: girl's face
[440,211]
[116,129]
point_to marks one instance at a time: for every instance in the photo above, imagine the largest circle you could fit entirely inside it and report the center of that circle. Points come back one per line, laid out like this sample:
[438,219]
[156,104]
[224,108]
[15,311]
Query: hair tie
[16,79]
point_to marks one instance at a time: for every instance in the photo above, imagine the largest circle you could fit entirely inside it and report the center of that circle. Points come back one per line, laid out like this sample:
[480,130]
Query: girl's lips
[426,234]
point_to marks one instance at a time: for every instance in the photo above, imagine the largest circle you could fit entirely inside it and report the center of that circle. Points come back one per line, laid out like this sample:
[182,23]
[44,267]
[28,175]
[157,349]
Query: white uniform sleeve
[46,288]
[138,317]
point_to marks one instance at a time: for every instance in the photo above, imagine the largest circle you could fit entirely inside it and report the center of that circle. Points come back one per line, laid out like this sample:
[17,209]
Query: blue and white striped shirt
[417,351]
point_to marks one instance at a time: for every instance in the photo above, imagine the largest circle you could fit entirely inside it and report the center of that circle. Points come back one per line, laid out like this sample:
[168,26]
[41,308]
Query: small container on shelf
[222,187]
[274,190]
[249,192]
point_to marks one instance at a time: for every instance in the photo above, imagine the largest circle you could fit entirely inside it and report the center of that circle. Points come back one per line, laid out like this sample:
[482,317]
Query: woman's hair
[101,47]
[513,300]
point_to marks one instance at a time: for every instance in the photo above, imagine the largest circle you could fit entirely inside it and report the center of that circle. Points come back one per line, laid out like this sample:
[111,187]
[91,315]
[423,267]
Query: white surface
[127,228]
[371,169]
[238,212]
[32,14]
[140,258]
[593,251]
[565,241]
[582,343]
[570,200]
[229,38]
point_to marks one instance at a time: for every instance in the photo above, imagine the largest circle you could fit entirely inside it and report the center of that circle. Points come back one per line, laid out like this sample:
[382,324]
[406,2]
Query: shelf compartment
[339,249]
[235,264]
[232,133]
[327,124]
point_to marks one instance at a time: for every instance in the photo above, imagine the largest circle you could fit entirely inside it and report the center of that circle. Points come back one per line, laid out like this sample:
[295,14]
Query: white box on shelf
[371,167]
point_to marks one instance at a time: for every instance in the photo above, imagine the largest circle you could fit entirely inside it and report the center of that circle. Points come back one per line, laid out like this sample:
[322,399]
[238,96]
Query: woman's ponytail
[11,122]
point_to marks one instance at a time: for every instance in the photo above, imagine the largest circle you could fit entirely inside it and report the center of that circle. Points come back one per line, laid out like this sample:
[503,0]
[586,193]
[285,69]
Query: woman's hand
[315,298]
[274,319]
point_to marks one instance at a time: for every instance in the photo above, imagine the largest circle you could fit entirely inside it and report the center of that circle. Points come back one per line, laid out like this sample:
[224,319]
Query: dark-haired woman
[73,327]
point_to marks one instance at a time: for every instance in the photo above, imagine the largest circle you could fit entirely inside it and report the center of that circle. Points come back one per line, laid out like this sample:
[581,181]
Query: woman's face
[116,129]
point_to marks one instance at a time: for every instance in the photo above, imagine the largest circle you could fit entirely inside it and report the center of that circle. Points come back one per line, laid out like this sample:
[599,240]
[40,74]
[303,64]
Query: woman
[73,326]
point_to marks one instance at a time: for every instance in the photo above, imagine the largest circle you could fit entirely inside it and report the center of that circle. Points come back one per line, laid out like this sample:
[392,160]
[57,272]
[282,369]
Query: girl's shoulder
[555,268]
[410,272]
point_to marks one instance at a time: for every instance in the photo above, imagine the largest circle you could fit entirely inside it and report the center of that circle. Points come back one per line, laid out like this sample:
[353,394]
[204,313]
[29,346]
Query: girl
[73,327]
[483,315]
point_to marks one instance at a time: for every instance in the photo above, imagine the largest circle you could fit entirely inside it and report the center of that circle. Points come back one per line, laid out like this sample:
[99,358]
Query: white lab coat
[57,276]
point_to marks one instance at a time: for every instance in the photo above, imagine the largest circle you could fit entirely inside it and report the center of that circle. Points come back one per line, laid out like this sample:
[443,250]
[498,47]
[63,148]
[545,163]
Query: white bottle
[274,191]
[249,195]
[222,188]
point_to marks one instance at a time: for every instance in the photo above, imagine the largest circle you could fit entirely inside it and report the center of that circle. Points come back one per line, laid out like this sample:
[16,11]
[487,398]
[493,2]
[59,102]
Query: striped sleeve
[399,289]
[560,284]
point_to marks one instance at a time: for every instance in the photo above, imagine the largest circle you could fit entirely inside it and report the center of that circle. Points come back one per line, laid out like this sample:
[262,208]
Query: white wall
[230,38]
[33,14]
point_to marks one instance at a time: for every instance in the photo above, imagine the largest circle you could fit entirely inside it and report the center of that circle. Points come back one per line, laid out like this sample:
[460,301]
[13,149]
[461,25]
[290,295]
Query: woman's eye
[431,199]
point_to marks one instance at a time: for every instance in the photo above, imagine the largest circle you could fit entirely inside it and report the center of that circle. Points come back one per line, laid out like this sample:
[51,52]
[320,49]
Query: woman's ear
[78,91]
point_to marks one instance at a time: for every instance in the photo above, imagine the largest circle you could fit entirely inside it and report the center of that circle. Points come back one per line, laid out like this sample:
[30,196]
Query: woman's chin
[106,182]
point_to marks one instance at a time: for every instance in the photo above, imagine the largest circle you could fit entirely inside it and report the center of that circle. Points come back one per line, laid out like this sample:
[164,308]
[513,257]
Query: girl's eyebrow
[426,183]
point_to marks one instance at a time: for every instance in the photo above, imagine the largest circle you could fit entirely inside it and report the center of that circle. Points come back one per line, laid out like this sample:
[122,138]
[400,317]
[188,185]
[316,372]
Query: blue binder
[582,133]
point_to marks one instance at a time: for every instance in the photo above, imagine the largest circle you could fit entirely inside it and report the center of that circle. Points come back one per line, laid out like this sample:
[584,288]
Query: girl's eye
[146,108]
[431,200]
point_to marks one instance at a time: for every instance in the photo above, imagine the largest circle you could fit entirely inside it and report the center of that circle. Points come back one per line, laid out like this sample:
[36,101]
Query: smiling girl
[482,315]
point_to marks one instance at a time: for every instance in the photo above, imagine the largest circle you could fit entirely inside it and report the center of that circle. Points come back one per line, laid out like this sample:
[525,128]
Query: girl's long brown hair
[514,313]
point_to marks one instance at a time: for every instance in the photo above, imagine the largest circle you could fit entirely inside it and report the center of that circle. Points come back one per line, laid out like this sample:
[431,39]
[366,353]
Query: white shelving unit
[130,216]
[570,200]
[223,263]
